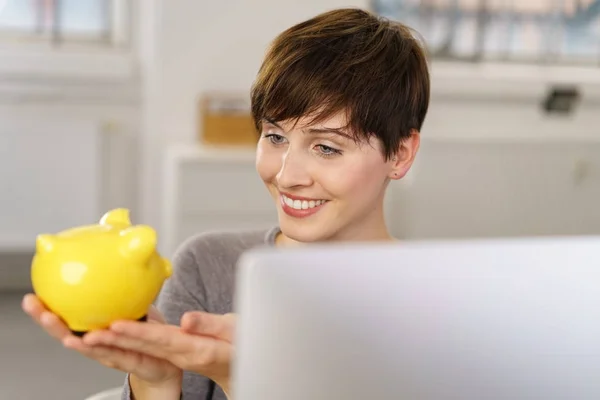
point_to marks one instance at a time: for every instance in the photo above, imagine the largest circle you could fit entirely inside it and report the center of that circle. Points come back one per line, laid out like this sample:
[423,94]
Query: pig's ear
[138,242]
[116,217]
[45,244]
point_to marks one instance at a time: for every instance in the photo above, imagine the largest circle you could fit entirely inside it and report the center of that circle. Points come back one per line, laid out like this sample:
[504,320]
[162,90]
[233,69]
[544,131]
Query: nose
[294,171]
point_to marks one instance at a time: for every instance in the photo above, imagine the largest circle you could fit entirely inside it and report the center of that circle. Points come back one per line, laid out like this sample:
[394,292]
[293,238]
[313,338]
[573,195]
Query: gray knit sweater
[203,280]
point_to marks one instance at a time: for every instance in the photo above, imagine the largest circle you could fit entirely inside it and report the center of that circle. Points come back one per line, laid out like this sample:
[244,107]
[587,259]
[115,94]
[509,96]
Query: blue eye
[327,151]
[275,138]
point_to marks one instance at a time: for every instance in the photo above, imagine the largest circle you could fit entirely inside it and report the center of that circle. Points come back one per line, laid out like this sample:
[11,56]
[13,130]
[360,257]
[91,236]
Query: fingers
[54,326]
[157,340]
[187,351]
[108,356]
[159,334]
[51,323]
[218,326]
[91,347]
[125,343]
[32,306]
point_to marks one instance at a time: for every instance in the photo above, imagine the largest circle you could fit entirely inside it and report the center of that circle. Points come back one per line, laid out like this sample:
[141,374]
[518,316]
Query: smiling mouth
[301,204]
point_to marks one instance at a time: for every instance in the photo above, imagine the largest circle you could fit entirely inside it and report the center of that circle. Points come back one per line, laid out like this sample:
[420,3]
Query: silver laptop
[469,320]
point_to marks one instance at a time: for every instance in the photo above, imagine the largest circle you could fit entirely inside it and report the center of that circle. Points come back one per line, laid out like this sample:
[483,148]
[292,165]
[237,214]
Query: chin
[302,230]
[301,235]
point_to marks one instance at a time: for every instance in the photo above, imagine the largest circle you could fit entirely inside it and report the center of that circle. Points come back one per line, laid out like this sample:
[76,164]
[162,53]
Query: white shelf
[193,177]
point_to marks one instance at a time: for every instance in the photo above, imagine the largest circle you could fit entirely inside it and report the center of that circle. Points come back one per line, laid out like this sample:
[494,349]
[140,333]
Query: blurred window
[99,22]
[540,31]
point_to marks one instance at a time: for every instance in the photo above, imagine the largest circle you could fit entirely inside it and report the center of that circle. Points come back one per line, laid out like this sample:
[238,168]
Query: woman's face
[325,185]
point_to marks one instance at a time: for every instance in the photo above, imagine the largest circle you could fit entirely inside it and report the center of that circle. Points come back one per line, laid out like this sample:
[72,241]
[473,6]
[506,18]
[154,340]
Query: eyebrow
[336,131]
[275,124]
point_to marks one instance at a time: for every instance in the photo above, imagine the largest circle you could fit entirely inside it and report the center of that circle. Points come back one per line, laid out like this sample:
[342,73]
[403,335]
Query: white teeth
[302,204]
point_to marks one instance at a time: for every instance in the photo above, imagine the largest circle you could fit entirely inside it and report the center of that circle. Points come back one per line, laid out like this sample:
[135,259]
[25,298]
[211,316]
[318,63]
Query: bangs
[290,103]
[314,84]
[302,93]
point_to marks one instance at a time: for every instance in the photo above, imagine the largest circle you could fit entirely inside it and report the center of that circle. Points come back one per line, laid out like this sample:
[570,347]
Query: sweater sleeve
[184,291]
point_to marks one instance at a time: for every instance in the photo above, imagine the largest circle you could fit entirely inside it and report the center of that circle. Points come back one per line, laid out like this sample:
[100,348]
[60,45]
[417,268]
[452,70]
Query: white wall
[49,144]
[195,46]
[476,188]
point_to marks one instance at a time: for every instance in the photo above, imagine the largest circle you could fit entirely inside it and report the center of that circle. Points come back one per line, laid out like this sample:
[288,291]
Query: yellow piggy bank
[93,275]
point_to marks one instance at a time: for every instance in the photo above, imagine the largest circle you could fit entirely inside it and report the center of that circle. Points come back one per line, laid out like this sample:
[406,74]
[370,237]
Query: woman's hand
[148,369]
[203,343]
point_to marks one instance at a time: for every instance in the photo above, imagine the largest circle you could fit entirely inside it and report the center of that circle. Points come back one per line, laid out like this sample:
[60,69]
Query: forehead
[338,120]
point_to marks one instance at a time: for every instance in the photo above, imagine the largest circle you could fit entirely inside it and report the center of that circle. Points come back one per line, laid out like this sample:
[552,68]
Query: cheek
[357,180]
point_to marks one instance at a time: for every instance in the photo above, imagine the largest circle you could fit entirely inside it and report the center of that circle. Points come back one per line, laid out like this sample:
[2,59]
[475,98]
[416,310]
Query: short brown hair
[346,60]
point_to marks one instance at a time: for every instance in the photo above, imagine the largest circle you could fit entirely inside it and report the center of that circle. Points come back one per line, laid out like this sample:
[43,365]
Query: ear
[119,216]
[405,156]
[138,242]
[45,244]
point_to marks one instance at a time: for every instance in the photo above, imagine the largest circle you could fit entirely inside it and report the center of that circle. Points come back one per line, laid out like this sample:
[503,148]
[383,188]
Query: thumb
[217,326]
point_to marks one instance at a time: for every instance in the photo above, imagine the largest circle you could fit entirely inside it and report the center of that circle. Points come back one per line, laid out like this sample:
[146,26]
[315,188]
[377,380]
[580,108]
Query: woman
[339,102]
